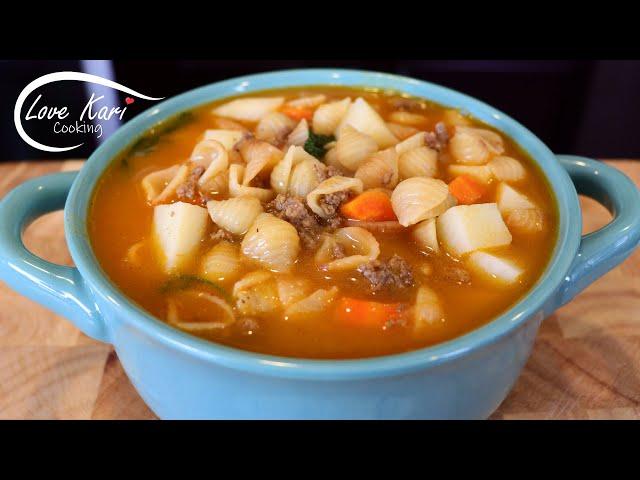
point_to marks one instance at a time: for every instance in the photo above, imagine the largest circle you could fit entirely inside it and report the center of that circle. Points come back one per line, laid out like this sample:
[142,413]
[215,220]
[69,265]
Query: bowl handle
[602,250]
[57,287]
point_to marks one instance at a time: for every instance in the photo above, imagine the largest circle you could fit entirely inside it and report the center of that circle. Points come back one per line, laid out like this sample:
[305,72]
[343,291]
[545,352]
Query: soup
[323,222]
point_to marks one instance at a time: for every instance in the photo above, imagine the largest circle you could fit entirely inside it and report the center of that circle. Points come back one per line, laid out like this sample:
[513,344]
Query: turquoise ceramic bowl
[181,376]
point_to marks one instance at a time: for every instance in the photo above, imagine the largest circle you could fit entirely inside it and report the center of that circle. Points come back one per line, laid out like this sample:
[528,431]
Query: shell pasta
[324,222]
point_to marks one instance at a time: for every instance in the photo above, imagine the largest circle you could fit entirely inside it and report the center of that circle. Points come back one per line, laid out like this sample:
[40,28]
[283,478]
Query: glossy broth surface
[121,217]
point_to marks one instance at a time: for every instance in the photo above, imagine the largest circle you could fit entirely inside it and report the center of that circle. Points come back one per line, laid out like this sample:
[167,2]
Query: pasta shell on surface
[292,288]
[197,311]
[272,243]
[327,117]
[427,310]
[170,190]
[235,214]
[380,170]
[236,189]
[256,294]
[475,146]
[218,185]
[414,141]
[249,109]
[300,134]
[420,198]
[304,177]
[206,151]
[250,280]
[228,138]
[155,182]
[419,162]
[260,158]
[507,169]
[274,127]
[221,263]
[354,147]
[311,306]
[235,157]
[525,220]
[308,101]
[401,132]
[211,155]
[425,236]
[358,246]
[329,186]
[331,159]
[408,118]
[281,173]
[482,173]
[365,119]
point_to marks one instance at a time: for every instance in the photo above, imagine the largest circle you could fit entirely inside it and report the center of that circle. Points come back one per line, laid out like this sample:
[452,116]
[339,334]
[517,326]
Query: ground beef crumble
[293,210]
[406,104]
[438,138]
[335,221]
[453,273]
[326,172]
[188,191]
[331,202]
[393,273]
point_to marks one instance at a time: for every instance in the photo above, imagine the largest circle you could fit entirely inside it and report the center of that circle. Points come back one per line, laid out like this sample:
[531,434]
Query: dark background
[585,107]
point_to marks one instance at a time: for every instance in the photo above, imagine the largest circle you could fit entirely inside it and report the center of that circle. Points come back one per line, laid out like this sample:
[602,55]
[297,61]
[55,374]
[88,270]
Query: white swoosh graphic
[55,77]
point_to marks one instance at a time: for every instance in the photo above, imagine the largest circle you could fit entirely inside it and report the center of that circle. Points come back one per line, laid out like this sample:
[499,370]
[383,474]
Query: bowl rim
[534,302]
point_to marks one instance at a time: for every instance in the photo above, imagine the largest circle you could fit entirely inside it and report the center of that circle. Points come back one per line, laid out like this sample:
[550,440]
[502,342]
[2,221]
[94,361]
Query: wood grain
[585,363]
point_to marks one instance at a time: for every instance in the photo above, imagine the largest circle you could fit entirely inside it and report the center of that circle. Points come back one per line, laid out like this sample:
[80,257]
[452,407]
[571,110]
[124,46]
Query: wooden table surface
[585,363]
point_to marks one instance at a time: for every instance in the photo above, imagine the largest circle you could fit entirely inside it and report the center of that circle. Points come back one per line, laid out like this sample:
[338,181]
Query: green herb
[182,282]
[315,144]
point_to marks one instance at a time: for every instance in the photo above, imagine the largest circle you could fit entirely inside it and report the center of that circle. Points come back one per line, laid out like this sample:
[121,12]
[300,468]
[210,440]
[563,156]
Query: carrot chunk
[298,113]
[466,190]
[372,206]
[365,313]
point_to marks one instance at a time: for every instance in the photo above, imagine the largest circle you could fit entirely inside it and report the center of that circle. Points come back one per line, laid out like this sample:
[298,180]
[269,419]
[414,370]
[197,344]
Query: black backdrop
[584,107]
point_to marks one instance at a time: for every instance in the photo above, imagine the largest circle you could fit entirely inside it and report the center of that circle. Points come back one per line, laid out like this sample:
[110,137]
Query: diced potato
[365,119]
[178,228]
[508,199]
[482,173]
[494,268]
[465,228]
[228,138]
[249,109]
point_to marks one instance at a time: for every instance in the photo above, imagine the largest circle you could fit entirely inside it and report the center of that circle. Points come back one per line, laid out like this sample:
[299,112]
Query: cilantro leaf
[315,144]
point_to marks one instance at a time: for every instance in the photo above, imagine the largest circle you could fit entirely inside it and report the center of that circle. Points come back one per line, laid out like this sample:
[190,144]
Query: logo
[88,120]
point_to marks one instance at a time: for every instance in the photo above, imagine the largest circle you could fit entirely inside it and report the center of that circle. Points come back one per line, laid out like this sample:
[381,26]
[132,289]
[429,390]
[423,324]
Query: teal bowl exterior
[181,376]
